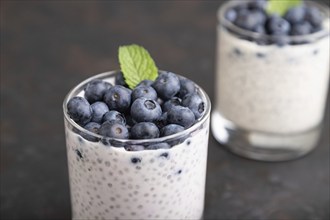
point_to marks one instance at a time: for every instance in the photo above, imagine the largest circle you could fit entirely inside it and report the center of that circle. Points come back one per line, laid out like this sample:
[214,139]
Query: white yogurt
[270,88]
[109,182]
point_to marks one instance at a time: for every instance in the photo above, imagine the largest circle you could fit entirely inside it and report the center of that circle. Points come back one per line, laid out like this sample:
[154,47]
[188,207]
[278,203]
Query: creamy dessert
[270,88]
[108,182]
[137,152]
[272,77]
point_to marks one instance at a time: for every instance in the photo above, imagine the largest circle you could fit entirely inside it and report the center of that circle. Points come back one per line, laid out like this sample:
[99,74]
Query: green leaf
[136,64]
[280,7]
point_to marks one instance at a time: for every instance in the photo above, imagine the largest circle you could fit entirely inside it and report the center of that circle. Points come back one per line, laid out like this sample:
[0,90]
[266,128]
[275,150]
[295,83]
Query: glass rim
[254,35]
[74,91]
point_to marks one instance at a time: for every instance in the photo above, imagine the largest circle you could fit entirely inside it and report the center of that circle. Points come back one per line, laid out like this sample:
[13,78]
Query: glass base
[262,145]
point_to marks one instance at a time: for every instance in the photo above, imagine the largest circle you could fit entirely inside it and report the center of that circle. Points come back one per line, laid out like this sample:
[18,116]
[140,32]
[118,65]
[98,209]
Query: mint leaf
[280,7]
[136,64]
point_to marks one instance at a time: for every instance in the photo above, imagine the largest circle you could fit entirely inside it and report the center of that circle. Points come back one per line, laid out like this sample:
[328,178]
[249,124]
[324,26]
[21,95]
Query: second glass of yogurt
[270,95]
[108,181]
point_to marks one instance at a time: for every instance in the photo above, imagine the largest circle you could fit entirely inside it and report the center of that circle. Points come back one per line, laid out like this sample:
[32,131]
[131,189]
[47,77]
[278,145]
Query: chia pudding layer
[109,182]
[270,88]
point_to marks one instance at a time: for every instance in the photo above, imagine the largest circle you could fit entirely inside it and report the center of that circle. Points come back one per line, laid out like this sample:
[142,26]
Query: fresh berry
[195,103]
[170,103]
[167,84]
[249,20]
[120,80]
[134,147]
[314,16]
[295,15]
[92,127]
[114,130]
[145,110]
[231,15]
[79,110]
[181,115]
[144,130]
[277,26]
[186,86]
[145,82]
[301,28]
[144,91]
[95,90]
[118,98]
[170,129]
[99,109]
[114,116]
[157,146]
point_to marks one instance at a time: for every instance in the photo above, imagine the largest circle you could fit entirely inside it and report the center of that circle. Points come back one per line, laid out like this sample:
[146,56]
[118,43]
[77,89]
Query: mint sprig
[136,64]
[280,7]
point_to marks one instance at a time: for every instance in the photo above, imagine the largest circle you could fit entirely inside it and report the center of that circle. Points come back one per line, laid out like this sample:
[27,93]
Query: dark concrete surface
[47,47]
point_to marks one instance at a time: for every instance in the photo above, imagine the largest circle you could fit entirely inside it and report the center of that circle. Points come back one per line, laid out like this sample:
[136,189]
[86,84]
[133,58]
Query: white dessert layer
[163,184]
[271,88]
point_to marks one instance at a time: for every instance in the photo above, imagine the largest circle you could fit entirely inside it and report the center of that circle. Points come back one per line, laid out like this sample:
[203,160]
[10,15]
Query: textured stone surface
[47,47]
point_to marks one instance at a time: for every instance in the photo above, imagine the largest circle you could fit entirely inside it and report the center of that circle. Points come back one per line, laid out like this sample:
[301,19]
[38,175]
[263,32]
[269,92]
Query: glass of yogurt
[271,89]
[113,178]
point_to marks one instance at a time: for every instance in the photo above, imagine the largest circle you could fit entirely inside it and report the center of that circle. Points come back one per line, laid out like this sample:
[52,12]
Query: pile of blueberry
[152,109]
[252,16]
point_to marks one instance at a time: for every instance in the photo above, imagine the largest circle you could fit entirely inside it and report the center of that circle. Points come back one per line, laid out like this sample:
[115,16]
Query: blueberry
[231,15]
[186,86]
[114,116]
[120,80]
[170,129]
[249,20]
[167,85]
[144,91]
[277,26]
[314,16]
[145,110]
[134,147]
[114,130]
[170,103]
[92,127]
[295,15]
[301,28]
[145,82]
[158,146]
[181,115]
[95,90]
[195,103]
[99,109]
[118,98]
[79,110]
[144,130]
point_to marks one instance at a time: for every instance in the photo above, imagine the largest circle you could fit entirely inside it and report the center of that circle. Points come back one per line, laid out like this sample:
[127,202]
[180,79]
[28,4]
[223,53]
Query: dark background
[47,47]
